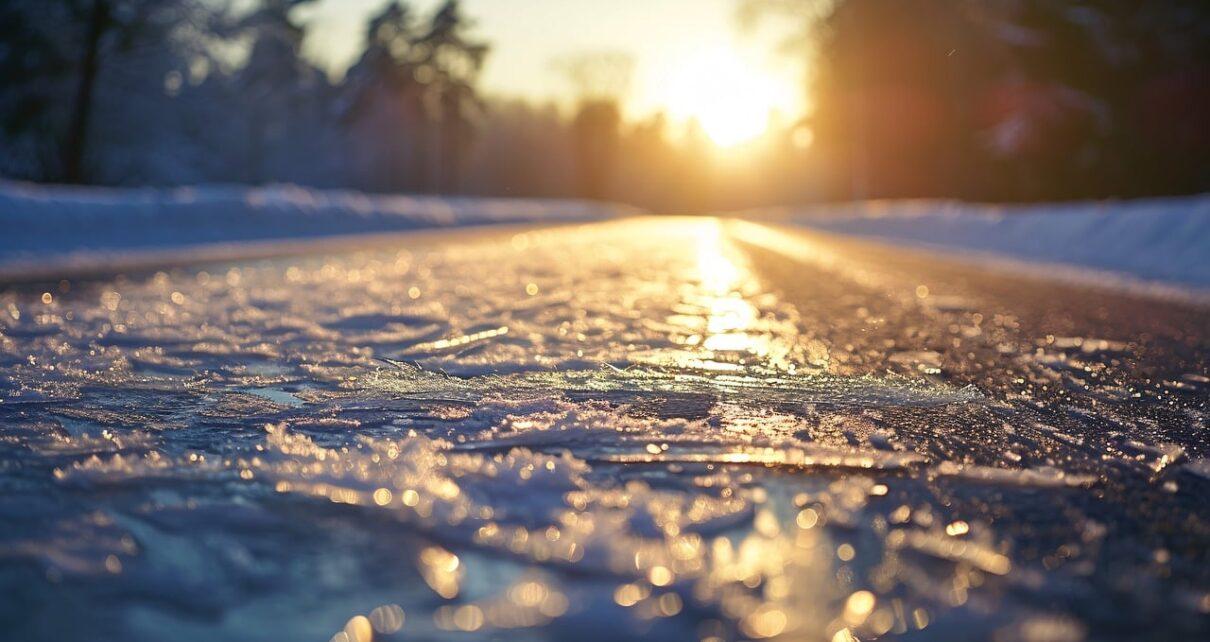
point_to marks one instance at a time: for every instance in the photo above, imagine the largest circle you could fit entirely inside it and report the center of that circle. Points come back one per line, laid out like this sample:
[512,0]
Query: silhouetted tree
[599,79]
[36,70]
[55,59]
[384,106]
[286,100]
[595,131]
[452,60]
[1129,83]
[1019,99]
[411,99]
[523,150]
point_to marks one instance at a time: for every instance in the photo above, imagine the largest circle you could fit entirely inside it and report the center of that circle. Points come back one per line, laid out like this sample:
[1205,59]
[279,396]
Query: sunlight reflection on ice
[619,423]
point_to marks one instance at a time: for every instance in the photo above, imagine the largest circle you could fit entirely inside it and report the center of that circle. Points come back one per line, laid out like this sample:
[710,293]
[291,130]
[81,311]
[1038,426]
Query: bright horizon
[691,58]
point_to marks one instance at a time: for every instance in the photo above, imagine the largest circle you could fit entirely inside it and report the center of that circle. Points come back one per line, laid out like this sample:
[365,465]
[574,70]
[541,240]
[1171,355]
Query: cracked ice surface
[615,432]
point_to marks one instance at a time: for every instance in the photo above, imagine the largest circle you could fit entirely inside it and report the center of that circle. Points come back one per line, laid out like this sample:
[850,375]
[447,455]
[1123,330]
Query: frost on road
[650,428]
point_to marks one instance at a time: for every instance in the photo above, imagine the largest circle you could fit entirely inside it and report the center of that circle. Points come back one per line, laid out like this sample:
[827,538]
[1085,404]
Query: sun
[729,99]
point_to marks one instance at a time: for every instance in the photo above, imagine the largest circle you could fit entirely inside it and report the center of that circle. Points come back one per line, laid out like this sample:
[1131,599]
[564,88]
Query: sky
[691,57]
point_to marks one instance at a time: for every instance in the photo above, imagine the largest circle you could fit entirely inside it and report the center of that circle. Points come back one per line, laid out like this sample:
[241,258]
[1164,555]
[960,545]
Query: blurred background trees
[88,80]
[599,80]
[285,102]
[382,101]
[972,99]
[1008,99]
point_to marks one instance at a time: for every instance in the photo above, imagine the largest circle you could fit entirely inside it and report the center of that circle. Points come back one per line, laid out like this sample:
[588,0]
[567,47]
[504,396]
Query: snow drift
[1164,239]
[42,222]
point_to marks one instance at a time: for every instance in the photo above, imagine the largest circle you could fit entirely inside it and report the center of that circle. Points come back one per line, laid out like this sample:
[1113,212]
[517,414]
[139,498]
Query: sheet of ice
[591,433]
[1164,239]
[755,386]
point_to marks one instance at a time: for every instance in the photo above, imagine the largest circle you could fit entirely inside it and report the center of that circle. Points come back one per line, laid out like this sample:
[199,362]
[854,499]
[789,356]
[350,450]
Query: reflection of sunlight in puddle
[725,322]
[718,273]
[730,314]
[731,320]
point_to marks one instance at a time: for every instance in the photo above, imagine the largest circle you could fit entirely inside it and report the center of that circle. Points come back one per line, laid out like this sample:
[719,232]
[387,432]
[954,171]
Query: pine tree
[74,72]
[454,106]
[286,100]
[411,102]
[384,107]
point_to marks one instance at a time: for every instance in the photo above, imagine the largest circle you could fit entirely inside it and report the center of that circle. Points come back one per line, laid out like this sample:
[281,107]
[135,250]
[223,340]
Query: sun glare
[730,99]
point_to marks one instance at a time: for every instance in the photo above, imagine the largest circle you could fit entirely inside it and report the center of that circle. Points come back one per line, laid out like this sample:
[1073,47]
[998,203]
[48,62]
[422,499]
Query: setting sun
[731,99]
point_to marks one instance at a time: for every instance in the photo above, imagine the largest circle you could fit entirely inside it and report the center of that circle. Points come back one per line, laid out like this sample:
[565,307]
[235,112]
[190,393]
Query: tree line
[180,91]
[1006,99]
[974,99]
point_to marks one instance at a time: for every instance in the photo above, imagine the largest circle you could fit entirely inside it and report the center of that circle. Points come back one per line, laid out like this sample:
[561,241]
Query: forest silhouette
[992,101]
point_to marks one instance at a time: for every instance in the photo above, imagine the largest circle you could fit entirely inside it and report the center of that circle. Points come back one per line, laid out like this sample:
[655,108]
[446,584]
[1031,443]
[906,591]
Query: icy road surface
[641,429]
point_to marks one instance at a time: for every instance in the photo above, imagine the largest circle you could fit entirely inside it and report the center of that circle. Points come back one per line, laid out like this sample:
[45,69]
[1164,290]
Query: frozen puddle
[562,434]
[755,388]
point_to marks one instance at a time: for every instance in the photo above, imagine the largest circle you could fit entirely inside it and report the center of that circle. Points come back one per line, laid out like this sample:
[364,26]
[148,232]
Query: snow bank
[40,222]
[1158,239]
[45,227]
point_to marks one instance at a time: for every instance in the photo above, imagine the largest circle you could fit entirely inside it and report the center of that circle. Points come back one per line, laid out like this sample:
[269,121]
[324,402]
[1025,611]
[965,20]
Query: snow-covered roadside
[49,226]
[1156,239]
[49,229]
